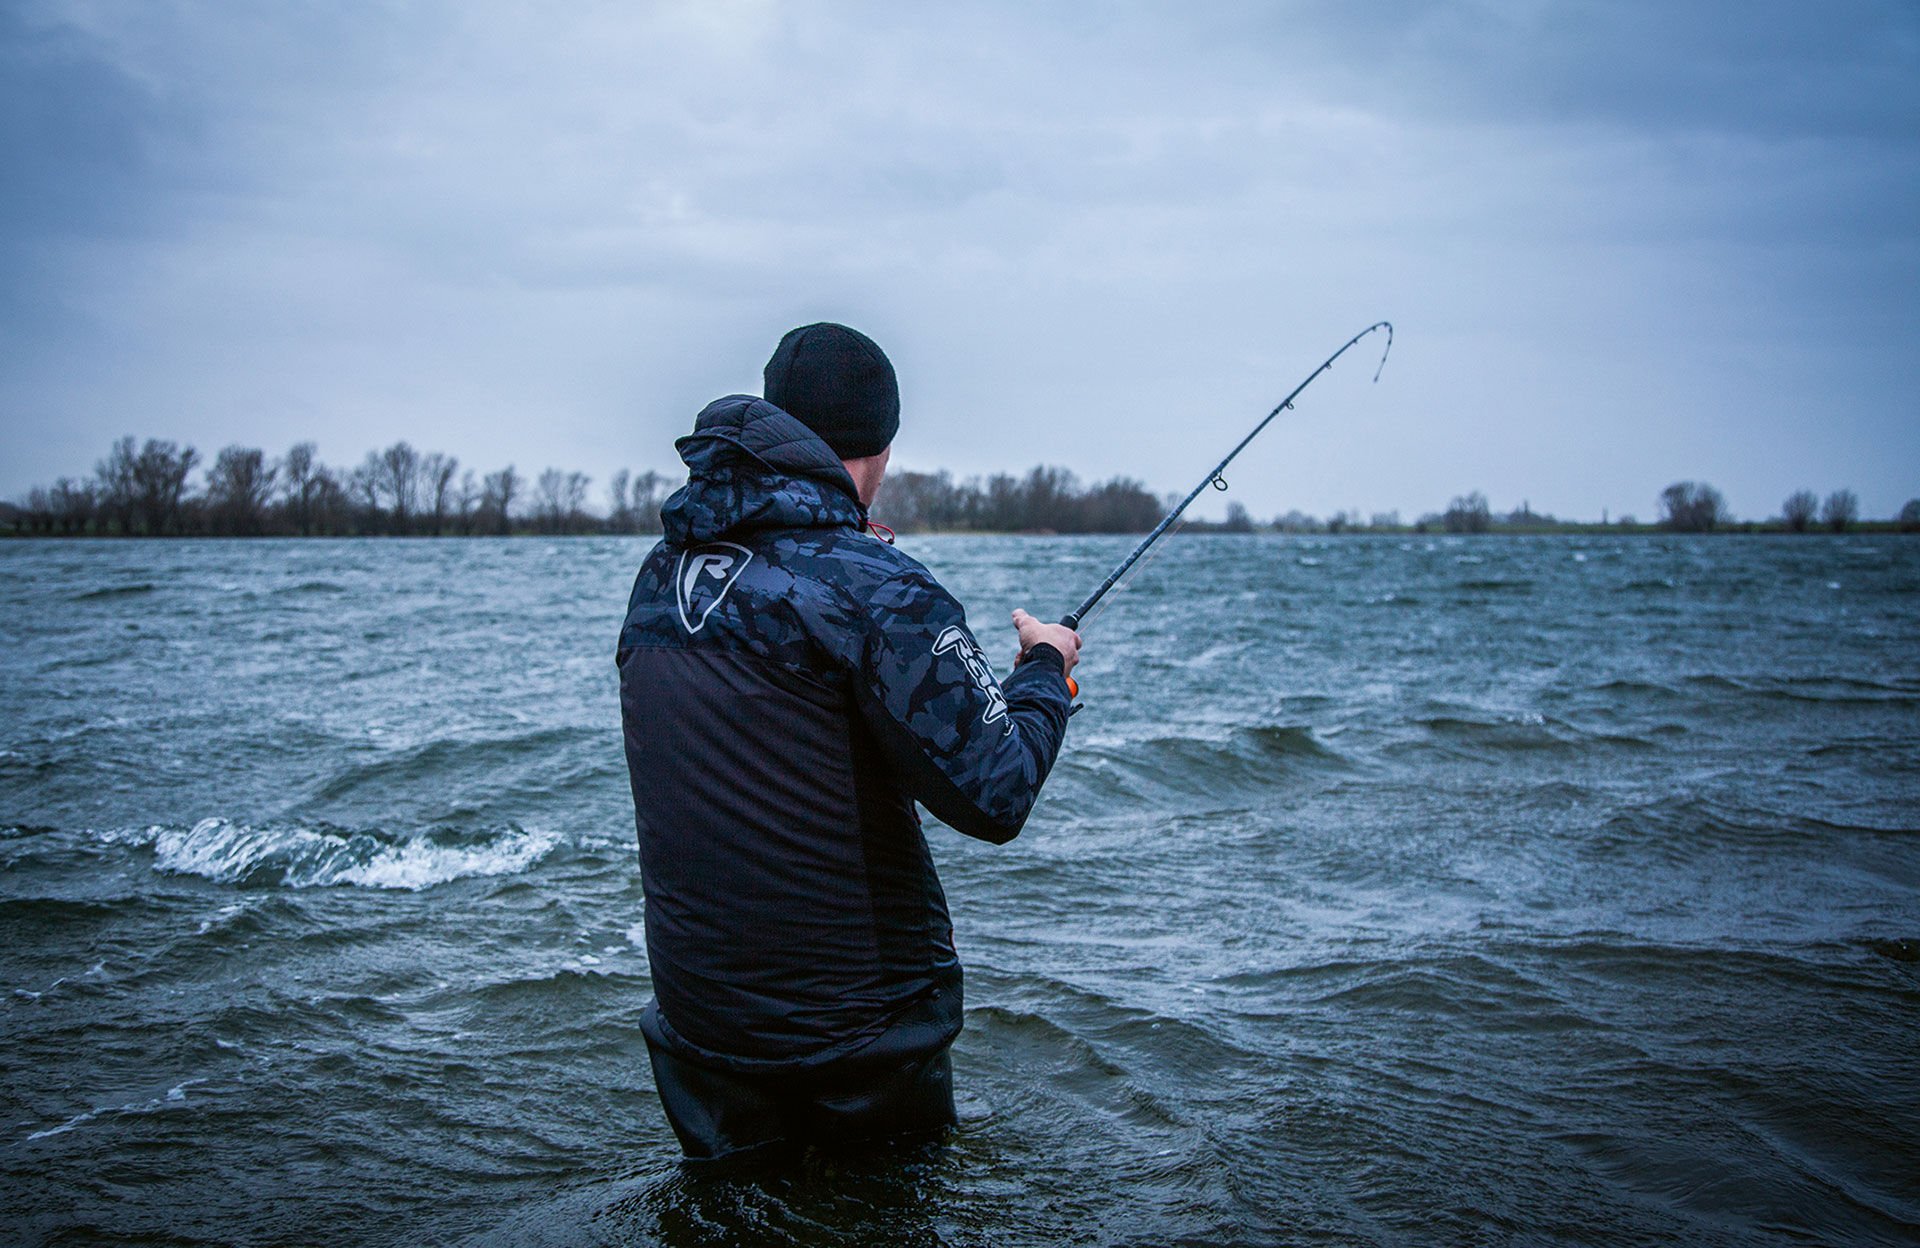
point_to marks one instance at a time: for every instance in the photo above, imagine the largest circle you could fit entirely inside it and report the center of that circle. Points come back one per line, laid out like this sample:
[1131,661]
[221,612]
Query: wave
[1890,755]
[1624,687]
[587,977]
[1248,758]
[314,587]
[1498,994]
[1838,690]
[100,659]
[1649,706]
[436,761]
[1702,698]
[115,591]
[1702,965]
[1894,949]
[300,857]
[1681,827]
[42,915]
[1521,733]
[1074,1067]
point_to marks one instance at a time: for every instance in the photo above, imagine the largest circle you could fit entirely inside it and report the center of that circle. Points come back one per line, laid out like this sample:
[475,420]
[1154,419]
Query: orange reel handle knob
[1073,687]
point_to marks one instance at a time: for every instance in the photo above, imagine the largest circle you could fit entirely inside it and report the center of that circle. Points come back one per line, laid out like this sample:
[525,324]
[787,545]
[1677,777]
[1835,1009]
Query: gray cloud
[1625,242]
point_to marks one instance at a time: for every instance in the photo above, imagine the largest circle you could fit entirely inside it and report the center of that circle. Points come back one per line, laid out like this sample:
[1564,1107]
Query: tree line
[1046,499]
[150,490]
[1695,507]
[1684,507]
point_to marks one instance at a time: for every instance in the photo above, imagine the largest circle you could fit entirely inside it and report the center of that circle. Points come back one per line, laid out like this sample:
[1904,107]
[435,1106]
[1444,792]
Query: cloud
[549,236]
[1773,69]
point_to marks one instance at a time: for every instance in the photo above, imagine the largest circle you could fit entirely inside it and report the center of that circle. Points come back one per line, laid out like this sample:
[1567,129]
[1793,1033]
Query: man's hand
[1059,636]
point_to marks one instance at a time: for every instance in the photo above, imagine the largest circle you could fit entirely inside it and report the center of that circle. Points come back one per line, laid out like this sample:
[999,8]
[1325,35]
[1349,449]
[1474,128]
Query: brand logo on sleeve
[957,641]
[705,574]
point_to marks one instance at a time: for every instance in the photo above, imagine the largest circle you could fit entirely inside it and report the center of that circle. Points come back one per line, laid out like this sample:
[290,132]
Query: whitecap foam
[66,1126]
[300,857]
[222,917]
[175,1095]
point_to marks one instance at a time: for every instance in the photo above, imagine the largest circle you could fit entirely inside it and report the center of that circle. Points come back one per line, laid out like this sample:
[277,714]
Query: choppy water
[1388,891]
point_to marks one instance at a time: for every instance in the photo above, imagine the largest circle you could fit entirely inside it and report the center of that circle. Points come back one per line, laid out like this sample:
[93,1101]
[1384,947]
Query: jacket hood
[752,465]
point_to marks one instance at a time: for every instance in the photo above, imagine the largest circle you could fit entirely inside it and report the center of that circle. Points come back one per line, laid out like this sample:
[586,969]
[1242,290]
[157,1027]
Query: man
[790,686]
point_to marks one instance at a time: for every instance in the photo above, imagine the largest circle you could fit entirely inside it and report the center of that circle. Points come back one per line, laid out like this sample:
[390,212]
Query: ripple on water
[107,593]
[1249,760]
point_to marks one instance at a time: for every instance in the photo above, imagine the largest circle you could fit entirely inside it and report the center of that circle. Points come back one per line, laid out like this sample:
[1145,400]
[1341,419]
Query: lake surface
[1388,891]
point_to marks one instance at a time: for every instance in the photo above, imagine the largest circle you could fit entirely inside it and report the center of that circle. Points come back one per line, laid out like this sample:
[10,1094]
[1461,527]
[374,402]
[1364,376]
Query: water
[1388,891]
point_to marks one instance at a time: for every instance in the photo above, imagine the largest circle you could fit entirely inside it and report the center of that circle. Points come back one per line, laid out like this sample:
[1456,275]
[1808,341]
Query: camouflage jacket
[790,686]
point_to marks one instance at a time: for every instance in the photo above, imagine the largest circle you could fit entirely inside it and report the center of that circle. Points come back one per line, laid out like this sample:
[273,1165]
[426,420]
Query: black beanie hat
[839,384]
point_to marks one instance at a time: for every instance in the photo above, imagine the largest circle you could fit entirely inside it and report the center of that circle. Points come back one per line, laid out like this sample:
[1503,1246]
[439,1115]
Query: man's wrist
[1043,652]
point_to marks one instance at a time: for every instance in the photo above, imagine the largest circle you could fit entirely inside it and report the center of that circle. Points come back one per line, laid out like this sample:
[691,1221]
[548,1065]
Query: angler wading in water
[790,686]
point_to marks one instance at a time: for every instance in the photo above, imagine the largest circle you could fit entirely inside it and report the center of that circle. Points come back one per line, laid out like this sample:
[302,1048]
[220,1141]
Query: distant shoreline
[163,489]
[1868,528]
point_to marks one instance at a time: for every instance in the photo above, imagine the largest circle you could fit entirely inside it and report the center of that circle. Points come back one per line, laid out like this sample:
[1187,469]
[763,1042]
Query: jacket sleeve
[970,749]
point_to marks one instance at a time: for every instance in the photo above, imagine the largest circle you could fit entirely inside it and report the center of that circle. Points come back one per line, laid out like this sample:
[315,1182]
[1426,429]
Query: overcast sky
[1623,244]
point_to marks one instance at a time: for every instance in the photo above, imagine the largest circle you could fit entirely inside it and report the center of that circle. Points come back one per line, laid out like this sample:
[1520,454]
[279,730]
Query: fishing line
[1146,561]
[1216,479]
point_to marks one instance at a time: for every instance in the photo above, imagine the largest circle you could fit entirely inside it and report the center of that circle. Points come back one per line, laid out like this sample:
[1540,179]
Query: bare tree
[1841,510]
[1047,494]
[117,492]
[466,498]
[647,493]
[575,498]
[298,473]
[239,486]
[1798,510]
[37,511]
[1468,514]
[363,488]
[72,504]
[560,500]
[330,503]
[1120,505]
[619,512]
[160,483]
[436,473]
[400,478]
[67,508]
[549,500]
[913,502]
[496,498]
[1692,507]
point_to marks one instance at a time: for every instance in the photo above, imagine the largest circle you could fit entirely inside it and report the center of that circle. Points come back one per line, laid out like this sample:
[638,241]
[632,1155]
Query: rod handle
[1072,620]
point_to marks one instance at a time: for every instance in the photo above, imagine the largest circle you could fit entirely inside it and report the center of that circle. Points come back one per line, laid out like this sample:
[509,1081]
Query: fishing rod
[1074,618]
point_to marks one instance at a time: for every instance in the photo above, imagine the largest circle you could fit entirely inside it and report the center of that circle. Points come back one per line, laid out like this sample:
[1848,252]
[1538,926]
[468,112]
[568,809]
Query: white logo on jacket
[705,574]
[957,640]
